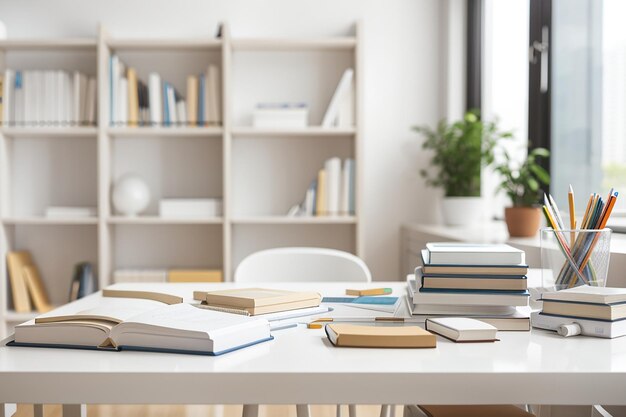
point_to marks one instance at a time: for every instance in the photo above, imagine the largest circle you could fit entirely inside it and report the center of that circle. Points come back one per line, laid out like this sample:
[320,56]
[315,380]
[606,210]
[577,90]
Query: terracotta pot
[522,221]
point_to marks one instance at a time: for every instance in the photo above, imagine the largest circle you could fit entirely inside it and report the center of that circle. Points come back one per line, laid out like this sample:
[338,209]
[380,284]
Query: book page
[109,309]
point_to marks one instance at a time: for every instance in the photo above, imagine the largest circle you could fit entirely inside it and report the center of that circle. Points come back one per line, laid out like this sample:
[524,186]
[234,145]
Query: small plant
[522,184]
[461,149]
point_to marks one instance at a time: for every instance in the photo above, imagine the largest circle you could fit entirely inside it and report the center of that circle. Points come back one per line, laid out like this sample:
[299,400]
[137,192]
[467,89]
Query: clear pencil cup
[570,258]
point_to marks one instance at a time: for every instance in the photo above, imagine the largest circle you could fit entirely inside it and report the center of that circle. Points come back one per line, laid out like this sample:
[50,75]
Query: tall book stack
[482,281]
[587,310]
[47,98]
[156,102]
[332,193]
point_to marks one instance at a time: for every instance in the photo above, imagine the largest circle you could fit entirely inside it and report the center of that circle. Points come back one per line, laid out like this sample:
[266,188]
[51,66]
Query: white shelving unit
[259,173]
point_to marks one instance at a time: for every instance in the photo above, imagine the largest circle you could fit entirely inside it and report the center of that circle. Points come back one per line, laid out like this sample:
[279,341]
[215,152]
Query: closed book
[345,116]
[144,325]
[352,335]
[320,204]
[194,275]
[462,329]
[343,89]
[139,275]
[475,282]
[202,100]
[36,288]
[432,268]
[181,112]
[19,290]
[8,88]
[459,298]
[588,294]
[192,100]
[589,327]
[70,212]
[133,98]
[190,207]
[171,104]
[18,94]
[155,99]
[122,102]
[332,167]
[473,411]
[474,254]
[610,312]
[114,89]
[214,98]
[259,300]
[91,101]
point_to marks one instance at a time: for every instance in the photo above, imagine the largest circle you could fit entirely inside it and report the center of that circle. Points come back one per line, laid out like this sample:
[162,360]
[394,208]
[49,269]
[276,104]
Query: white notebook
[462,329]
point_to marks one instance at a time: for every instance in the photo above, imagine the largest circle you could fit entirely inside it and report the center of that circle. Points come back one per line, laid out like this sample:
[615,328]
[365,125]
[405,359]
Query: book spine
[155,94]
[192,100]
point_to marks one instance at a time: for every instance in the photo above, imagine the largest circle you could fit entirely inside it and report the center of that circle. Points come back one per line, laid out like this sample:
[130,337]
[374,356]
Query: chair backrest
[302,265]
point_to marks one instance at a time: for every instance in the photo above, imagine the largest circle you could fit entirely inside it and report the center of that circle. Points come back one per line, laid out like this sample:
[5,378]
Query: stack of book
[155,102]
[483,281]
[597,311]
[47,98]
[281,115]
[332,193]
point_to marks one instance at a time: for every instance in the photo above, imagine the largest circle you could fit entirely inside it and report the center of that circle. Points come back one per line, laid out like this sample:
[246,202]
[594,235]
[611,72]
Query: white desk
[300,366]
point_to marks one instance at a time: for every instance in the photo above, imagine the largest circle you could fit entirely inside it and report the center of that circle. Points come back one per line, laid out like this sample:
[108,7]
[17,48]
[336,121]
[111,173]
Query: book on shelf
[429,267]
[139,275]
[142,324]
[474,254]
[462,329]
[281,115]
[48,98]
[194,275]
[61,212]
[157,102]
[254,301]
[26,283]
[342,102]
[589,327]
[401,336]
[190,207]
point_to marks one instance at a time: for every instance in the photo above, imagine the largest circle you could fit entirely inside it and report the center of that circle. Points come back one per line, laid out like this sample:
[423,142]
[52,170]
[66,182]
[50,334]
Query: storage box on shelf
[258,173]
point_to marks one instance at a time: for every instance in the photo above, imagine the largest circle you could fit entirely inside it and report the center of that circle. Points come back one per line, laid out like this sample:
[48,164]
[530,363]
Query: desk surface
[300,366]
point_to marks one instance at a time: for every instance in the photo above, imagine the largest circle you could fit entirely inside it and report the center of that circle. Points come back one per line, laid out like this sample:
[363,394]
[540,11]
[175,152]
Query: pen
[572,215]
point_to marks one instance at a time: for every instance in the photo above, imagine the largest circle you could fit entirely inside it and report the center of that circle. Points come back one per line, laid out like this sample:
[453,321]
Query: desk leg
[352,410]
[250,410]
[302,410]
[74,410]
[7,409]
[37,410]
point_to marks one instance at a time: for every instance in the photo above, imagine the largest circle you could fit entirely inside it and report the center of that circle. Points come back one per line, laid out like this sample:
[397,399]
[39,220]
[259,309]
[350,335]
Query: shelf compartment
[165,44]
[140,132]
[67,44]
[36,220]
[167,246]
[156,220]
[311,131]
[49,131]
[321,220]
[282,44]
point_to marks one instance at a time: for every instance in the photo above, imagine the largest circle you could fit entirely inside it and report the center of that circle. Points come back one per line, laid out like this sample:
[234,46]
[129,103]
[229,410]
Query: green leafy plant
[522,184]
[460,149]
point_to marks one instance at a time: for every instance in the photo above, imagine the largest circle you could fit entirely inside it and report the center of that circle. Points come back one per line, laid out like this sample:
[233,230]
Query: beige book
[36,288]
[473,411]
[194,275]
[259,300]
[19,290]
[133,98]
[143,295]
[469,283]
[192,100]
[585,310]
[352,335]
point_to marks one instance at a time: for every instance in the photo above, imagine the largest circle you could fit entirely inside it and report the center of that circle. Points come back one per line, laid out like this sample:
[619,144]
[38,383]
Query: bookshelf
[259,173]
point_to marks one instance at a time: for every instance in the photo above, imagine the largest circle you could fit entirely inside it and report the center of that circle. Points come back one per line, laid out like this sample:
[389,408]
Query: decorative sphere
[131,195]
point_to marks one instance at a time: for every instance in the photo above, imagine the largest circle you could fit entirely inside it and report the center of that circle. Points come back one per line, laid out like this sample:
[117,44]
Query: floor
[53,410]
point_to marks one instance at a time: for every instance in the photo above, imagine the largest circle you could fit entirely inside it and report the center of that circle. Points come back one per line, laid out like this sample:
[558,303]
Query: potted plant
[460,149]
[522,183]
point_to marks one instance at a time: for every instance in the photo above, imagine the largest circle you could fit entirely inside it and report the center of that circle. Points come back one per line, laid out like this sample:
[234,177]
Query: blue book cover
[372,300]
[166,111]
[470,276]
[201,103]
[522,293]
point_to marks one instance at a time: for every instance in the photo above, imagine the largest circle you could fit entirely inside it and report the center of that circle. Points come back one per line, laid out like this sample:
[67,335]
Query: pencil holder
[570,258]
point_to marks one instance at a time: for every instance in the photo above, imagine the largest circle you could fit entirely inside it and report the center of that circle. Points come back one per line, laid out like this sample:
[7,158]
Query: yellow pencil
[572,215]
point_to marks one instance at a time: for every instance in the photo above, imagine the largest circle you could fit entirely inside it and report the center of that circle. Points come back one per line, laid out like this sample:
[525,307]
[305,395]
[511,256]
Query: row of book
[156,102]
[482,281]
[27,288]
[47,98]
[332,193]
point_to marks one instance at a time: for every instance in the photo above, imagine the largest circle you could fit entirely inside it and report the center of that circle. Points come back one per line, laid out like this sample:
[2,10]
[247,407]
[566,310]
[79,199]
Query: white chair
[301,265]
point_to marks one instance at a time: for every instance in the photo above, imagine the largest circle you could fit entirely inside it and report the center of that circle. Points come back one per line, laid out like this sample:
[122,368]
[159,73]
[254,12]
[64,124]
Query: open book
[142,324]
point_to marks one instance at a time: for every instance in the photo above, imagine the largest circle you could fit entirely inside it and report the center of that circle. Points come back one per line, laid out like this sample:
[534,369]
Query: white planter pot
[461,211]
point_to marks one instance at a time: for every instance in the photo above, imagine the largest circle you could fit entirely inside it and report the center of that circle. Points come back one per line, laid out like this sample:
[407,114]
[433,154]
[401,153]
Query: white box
[190,207]
[288,116]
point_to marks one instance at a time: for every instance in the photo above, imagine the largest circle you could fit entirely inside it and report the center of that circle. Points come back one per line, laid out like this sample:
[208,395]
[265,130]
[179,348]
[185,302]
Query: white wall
[402,69]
